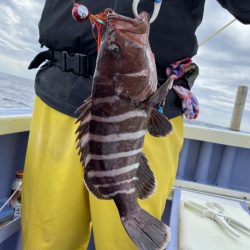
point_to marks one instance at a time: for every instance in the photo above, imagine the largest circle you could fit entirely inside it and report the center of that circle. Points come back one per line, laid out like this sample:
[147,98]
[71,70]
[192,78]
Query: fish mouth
[137,25]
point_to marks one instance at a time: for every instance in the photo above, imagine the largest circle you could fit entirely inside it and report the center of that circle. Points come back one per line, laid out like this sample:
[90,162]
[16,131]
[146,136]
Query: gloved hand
[186,71]
[190,104]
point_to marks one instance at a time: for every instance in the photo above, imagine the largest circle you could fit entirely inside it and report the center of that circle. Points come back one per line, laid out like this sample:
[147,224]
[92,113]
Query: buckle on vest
[78,63]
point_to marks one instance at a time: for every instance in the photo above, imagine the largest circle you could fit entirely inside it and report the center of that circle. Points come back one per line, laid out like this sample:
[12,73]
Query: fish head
[127,57]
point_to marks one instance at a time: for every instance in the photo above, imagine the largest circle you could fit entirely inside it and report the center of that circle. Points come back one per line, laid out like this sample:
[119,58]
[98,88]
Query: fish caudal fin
[146,183]
[158,124]
[147,232]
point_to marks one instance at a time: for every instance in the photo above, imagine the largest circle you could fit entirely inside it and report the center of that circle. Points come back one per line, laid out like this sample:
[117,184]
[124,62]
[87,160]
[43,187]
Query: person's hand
[190,104]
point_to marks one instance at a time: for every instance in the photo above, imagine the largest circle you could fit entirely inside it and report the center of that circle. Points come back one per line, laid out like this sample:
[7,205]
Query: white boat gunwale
[10,124]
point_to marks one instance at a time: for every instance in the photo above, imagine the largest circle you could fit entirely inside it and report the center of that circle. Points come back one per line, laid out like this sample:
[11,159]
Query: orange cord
[97,22]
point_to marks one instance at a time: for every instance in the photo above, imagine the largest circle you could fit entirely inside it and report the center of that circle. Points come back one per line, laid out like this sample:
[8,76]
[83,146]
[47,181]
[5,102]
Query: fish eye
[115,49]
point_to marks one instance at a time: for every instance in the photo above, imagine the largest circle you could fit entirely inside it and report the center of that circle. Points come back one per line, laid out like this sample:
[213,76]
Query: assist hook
[157,7]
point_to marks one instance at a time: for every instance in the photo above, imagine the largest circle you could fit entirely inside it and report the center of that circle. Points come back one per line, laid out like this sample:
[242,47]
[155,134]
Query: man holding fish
[116,104]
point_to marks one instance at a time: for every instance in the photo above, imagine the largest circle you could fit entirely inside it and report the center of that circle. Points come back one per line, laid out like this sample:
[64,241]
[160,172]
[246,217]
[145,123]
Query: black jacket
[172,37]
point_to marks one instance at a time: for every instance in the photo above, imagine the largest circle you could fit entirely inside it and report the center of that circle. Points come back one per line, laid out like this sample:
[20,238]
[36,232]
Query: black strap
[40,58]
[80,64]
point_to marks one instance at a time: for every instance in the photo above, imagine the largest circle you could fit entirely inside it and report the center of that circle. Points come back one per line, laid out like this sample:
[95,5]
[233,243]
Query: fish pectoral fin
[158,124]
[146,183]
[160,94]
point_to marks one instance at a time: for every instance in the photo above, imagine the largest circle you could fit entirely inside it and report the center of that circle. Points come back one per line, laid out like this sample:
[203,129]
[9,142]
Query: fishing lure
[81,13]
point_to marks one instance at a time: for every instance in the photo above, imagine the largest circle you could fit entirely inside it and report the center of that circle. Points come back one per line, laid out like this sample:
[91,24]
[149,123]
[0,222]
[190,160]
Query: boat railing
[213,160]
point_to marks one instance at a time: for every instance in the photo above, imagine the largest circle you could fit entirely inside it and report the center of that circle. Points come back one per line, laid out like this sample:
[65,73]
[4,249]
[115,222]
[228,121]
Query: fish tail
[147,232]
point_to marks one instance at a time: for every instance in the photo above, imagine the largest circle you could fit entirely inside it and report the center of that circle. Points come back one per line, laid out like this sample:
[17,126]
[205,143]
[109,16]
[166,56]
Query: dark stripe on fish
[100,165]
[103,91]
[127,126]
[116,179]
[111,109]
[112,189]
[105,148]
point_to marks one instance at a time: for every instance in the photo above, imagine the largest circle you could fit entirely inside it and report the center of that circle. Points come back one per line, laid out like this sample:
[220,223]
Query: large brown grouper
[113,123]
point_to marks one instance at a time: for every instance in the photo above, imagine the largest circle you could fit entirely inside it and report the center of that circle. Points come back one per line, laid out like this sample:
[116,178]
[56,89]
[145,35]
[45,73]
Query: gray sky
[18,35]
[224,61]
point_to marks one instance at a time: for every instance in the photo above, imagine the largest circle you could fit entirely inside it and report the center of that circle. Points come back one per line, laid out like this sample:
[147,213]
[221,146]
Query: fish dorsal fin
[83,111]
[83,107]
[83,126]
[146,183]
[158,124]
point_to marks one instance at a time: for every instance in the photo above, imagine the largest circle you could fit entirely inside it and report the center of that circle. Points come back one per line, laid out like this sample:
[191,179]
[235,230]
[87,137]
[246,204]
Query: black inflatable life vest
[172,37]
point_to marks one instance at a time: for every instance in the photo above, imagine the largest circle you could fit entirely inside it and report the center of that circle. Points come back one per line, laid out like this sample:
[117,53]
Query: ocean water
[16,92]
[216,101]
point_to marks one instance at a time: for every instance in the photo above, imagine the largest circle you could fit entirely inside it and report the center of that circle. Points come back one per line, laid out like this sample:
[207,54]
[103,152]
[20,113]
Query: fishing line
[216,33]
[16,190]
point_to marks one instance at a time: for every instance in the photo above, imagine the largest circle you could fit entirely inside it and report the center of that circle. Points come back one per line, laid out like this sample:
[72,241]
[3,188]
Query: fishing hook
[157,7]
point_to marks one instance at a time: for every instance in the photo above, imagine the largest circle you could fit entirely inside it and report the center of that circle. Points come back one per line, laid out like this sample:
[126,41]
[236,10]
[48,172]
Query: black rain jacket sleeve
[239,8]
